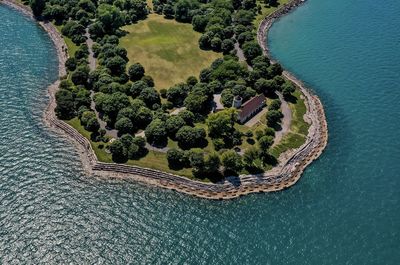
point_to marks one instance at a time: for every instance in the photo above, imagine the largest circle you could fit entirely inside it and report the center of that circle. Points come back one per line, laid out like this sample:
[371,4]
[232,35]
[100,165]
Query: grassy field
[168,50]
[298,129]
[265,11]
[154,160]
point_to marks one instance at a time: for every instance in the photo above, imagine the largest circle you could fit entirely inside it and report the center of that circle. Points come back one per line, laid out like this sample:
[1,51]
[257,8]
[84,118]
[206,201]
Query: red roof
[251,105]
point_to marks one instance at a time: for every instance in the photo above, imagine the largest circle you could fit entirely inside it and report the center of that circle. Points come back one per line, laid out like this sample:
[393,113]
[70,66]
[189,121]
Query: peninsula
[180,94]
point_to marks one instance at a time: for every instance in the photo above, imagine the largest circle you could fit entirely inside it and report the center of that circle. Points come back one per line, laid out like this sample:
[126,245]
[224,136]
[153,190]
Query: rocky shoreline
[286,174]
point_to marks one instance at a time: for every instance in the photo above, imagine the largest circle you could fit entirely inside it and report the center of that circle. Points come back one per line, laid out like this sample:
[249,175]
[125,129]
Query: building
[251,108]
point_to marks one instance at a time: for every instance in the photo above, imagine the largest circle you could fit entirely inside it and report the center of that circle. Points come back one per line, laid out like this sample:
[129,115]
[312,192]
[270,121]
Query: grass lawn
[168,50]
[265,11]
[72,47]
[154,160]
[298,128]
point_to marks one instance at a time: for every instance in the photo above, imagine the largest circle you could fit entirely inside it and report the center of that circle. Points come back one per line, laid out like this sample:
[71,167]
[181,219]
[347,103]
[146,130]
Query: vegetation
[168,50]
[156,79]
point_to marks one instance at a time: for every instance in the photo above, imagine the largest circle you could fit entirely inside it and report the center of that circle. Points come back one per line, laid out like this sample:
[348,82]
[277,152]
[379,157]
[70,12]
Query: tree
[275,104]
[196,103]
[80,75]
[143,117]
[137,87]
[187,116]
[212,163]
[216,44]
[227,46]
[199,23]
[136,72]
[116,65]
[92,125]
[190,137]
[155,133]
[176,158]
[275,70]
[111,17]
[232,161]
[205,42]
[37,7]
[265,142]
[168,11]
[250,157]
[150,96]
[173,124]
[273,117]
[65,104]
[196,159]
[183,8]
[124,125]
[177,94]
[287,90]
[266,86]
[251,50]
[110,105]
[119,151]
[220,124]
[227,98]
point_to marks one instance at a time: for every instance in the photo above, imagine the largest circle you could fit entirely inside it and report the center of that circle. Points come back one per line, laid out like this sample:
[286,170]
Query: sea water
[344,210]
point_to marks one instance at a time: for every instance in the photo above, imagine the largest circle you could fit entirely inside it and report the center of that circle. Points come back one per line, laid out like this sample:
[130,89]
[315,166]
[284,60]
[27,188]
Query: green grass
[168,50]
[154,160]
[72,47]
[265,11]
[298,128]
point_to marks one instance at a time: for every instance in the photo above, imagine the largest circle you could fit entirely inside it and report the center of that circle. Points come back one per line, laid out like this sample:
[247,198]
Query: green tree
[65,104]
[136,72]
[220,124]
[110,17]
[196,103]
[37,7]
[212,163]
[232,161]
[80,75]
[250,157]
[173,124]
[156,134]
[124,125]
[274,117]
[119,151]
[265,142]
[251,50]
[190,137]
[176,158]
[150,96]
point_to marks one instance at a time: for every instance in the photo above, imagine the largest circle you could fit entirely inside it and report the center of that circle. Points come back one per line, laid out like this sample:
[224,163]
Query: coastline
[284,175]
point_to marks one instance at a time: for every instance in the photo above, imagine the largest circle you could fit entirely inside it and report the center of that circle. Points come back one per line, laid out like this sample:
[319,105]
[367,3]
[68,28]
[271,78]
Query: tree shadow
[291,99]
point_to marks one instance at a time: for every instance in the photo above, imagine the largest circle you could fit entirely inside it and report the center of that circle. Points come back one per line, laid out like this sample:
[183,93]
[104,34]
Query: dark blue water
[345,209]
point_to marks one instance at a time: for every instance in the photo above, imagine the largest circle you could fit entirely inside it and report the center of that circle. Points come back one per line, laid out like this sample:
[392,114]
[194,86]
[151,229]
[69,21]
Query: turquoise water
[345,209]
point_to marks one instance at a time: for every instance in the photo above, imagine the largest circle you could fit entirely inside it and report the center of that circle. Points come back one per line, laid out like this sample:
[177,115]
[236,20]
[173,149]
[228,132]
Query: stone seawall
[286,174]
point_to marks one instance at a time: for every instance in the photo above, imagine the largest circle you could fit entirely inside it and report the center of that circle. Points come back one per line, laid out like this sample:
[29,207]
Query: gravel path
[286,120]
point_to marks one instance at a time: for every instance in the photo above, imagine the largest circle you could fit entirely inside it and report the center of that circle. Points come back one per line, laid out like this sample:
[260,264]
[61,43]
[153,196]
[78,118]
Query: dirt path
[286,120]
[89,42]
